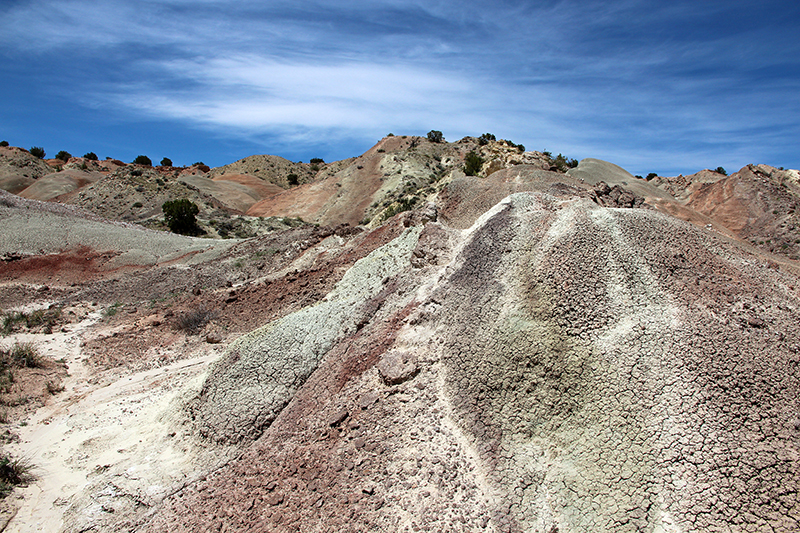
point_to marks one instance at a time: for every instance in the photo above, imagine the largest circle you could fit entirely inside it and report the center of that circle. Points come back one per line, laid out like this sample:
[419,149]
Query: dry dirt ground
[531,352]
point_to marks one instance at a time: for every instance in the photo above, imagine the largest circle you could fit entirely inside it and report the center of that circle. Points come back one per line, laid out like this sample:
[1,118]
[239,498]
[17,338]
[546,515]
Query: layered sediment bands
[558,366]
[621,370]
[262,370]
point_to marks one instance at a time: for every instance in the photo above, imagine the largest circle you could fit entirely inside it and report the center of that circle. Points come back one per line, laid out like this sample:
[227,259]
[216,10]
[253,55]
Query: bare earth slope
[572,367]
[522,350]
[760,204]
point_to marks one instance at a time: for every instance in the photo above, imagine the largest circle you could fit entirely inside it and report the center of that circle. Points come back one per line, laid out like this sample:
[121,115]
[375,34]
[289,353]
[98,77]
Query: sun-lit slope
[558,365]
[49,239]
[359,189]
[19,169]
[50,186]
[466,198]
[620,366]
[233,193]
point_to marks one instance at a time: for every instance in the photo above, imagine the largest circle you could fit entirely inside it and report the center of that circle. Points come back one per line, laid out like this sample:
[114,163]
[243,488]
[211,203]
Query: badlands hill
[398,346]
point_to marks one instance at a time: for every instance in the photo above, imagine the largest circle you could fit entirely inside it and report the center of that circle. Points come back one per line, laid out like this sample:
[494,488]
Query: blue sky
[653,86]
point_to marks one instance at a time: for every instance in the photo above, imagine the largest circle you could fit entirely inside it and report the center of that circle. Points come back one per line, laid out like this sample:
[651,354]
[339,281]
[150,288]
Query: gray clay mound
[609,370]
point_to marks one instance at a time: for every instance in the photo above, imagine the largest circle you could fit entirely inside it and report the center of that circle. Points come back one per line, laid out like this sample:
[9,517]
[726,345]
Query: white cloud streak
[570,76]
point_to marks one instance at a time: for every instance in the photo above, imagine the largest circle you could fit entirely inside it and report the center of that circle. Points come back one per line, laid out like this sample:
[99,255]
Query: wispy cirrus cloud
[635,81]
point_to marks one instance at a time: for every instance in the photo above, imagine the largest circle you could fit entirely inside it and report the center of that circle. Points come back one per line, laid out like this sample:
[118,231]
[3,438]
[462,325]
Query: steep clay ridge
[262,370]
[558,366]
[759,203]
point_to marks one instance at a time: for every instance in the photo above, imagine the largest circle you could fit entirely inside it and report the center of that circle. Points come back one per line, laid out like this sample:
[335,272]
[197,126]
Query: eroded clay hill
[760,204]
[522,350]
[558,366]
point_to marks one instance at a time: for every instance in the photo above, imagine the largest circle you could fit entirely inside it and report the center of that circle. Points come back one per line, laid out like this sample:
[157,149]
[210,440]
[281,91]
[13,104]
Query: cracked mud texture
[579,368]
[622,371]
[262,370]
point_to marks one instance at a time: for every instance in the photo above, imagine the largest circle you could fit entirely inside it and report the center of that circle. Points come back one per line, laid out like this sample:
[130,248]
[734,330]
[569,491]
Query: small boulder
[397,367]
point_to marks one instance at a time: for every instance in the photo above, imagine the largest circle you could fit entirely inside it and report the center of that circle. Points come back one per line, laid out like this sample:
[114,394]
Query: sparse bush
[91,156]
[143,160]
[37,151]
[562,164]
[41,317]
[389,135]
[720,170]
[180,216]
[521,148]
[3,143]
[472,164]
[293,179]
[485,138]
[192,321]
[651,176]
[404,204]
[26,355]
[63,155]
[14,471]
[316,160]
[435,136]
[112,310]
[6,376]
[136,205]
[166,162]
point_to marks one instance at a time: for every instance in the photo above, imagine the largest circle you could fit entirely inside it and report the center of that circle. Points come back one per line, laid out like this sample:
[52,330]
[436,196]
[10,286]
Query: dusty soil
[567,358]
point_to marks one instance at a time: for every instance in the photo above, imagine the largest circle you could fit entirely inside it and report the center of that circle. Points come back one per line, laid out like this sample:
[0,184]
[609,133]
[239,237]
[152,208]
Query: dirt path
[107,451]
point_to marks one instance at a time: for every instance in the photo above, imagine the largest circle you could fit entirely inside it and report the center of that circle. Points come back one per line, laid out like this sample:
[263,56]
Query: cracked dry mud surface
[577,368]
[539,364]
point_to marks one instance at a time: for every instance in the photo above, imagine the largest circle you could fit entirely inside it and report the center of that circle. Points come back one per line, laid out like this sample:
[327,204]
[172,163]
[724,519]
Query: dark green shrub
[521,148]
[651,176]
[37,151]
[26,355]
[63,156]
[166,162]
[472,164]
[143,160]
[720,170]
[91,156]
[181,216]
[293,179]
[562,164]
[316,160]
[435,136]
[485,138]
[14,471]
[3,143]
